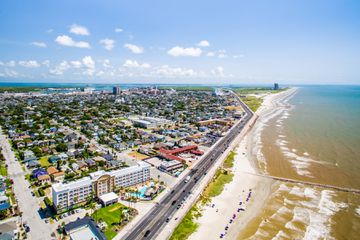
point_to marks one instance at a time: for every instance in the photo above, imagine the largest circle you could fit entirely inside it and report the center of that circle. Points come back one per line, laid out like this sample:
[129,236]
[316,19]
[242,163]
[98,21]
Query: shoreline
[217,215]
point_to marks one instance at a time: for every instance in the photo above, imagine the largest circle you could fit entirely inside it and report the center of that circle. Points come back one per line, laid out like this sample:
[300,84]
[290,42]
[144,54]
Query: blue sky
[229,42]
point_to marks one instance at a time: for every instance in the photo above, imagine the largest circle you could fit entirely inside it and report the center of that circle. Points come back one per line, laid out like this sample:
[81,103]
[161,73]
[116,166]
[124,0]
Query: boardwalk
[337,188]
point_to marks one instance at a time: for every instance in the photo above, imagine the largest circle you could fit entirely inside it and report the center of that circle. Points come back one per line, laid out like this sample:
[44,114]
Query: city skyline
[234,42]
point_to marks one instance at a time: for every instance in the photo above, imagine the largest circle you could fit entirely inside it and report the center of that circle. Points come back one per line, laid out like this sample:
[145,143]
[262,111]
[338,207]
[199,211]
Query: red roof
[179,150]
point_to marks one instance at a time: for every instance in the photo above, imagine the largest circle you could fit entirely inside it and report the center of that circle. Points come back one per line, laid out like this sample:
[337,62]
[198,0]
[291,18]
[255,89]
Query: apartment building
[66,195]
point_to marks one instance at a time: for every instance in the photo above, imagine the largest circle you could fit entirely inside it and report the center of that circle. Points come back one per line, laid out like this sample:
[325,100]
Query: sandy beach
[243,198]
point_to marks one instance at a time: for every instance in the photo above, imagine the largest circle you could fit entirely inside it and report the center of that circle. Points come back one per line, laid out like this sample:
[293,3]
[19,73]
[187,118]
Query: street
[153,222]
[28,204]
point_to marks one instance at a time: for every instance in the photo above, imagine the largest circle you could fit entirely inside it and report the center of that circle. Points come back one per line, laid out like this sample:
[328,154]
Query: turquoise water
[141,192]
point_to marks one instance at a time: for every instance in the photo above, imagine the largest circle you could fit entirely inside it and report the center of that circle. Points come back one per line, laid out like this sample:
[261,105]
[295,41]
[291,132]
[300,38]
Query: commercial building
[171,166]
[66,195]
[149,122]
[84,228]
[116,90]
[276,86]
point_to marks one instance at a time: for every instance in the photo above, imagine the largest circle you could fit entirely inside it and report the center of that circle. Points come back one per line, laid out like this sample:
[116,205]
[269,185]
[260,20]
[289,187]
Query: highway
[160,214]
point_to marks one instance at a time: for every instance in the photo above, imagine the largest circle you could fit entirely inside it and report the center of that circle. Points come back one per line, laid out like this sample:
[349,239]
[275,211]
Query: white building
[66,195]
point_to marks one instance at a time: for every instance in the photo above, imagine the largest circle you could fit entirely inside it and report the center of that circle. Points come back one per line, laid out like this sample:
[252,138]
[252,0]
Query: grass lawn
[3,170]
[187,226]
[110,215]
[229,161]
[44,162]
[252,102]
[222,177]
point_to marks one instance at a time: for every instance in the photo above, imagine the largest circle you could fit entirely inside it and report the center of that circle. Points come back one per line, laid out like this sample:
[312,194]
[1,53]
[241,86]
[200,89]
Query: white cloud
[222,54]
[145,65]
[60,68]
[29,64]
[89,63]
[210,54]
[46,63]
[204,43]
[76,64]
[218,71]
[107,43]
[39,44]
[134,64]
[106,63]
[180,51]
[10,63]
[10,73]
[167,71]
[68,41]
[118,30]
[134,48]
[79,30]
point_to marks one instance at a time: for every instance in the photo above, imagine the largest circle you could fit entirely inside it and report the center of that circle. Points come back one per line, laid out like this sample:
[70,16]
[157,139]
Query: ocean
[312,135]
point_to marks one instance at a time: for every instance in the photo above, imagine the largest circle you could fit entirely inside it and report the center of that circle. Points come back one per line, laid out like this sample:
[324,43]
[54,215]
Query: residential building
[44,179]
[4,203]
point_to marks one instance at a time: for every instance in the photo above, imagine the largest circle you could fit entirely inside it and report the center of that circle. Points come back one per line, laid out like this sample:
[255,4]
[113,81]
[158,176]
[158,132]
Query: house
[54,159]
[38,172]
[55,174]
[58,177]
[99,159]
[71,137]
[4,203]
[82,165]
[113,163]
[75,166]
[71,145]
[32,164]
[29,156]
[44,179]
[20,144]
[63,156]
[90,162]
[108,157]
[51,170]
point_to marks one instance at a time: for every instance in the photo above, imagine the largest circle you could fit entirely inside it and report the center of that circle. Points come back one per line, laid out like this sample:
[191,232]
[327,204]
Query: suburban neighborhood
[86,153]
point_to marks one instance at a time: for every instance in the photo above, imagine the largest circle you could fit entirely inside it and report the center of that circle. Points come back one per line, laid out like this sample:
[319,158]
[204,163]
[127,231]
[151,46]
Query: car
[172,191]
[46,220]
[167,220]
[27,228]
[33,194]
[147,233]
[173,202]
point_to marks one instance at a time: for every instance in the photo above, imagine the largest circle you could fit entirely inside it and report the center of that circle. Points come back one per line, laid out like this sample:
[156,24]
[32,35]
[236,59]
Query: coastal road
[28,204]
[158,216]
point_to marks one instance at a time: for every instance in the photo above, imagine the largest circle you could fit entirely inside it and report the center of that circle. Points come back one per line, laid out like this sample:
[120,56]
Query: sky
[200,42]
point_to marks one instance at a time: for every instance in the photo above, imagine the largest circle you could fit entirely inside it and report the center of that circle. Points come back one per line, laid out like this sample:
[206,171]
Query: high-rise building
[276,86]
[116,90]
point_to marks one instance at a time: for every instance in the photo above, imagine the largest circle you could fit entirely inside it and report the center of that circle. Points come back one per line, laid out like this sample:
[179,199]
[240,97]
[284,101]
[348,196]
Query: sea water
[313,136]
